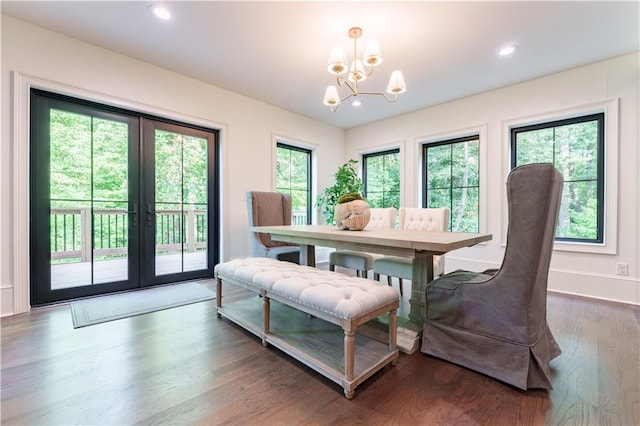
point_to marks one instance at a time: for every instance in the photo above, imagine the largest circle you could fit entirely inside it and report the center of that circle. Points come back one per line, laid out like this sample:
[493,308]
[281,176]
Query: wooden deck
[67,275]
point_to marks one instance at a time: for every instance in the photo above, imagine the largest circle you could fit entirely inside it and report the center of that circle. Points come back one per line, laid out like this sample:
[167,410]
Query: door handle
[134,212]
[150,215]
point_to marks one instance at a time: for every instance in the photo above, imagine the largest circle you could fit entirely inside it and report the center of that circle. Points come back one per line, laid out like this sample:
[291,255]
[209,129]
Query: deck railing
[71,232]
[299,217]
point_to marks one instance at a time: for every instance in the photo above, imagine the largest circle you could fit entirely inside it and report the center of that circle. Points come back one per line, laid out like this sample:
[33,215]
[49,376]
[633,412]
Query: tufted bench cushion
[330,292]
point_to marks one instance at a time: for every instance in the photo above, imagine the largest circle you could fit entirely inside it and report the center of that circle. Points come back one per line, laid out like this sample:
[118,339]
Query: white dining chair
[381,218]
[419,219]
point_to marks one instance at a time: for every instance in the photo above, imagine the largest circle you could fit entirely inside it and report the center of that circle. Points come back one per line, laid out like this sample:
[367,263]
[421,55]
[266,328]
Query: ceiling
[277,51]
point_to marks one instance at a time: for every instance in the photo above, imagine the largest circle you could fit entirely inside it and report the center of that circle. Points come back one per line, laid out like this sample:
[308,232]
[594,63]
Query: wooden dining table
[420,246]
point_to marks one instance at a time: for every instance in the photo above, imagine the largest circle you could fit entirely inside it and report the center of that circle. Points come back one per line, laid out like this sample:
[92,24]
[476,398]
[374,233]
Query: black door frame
[140,271]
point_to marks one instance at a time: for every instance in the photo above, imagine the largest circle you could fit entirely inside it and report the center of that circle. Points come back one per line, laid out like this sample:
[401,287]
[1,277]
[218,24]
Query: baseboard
[6,298]
[611,288]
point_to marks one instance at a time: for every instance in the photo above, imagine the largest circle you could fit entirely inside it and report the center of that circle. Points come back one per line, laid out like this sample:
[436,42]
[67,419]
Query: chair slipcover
[381,218]
[420,219]
[497,324]
[269,209]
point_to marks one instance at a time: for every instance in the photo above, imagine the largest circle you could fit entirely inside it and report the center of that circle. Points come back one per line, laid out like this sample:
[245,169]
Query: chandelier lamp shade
[351,75]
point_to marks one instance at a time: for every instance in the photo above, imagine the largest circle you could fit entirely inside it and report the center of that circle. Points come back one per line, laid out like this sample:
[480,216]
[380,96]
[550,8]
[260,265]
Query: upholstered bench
[338,353]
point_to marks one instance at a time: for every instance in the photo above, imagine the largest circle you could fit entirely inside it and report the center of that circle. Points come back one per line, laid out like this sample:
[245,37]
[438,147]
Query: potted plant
[347,182]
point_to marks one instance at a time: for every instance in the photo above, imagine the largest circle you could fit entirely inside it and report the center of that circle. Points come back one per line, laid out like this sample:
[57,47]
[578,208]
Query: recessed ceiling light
[161,11]
[356,103]
[506,51]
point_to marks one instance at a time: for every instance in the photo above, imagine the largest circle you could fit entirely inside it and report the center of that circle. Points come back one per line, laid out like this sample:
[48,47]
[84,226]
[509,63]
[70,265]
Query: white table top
[385,241]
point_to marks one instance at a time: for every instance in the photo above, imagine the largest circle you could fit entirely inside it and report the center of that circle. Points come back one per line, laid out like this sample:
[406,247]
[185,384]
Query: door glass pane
[88,197]
[180,203]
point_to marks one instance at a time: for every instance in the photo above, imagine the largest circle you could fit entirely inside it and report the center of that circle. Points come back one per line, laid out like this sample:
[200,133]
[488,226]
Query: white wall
[41,58]
[612,84]
[248,130]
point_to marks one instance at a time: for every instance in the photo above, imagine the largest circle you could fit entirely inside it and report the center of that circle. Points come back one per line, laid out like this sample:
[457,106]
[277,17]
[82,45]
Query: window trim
[480,132]
[610,108]
[282,143]
[377,154]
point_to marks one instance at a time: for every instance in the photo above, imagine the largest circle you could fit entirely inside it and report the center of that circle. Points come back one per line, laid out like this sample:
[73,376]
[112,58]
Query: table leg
[307,255]
[422,274]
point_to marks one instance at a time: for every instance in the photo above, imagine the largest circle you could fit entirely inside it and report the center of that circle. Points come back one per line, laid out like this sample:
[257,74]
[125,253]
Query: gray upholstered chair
[381,218]
[497,324]
[420,219]
[270,208]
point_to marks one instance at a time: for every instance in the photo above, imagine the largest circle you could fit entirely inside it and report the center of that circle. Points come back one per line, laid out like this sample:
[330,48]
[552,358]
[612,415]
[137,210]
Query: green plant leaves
[347,182]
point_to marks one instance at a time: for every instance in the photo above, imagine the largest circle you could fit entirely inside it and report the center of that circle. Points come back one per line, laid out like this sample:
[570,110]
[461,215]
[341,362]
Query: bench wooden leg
[218,295]
[393,330]
[266,310]
[349,355]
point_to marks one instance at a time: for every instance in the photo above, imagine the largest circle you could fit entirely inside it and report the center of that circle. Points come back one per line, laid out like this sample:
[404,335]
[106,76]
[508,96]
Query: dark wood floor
[186,366]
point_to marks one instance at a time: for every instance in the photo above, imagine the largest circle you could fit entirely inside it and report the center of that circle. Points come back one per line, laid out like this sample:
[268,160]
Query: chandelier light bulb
[372,55]
[356,72]
[331,97]
[396,83]
[337,61]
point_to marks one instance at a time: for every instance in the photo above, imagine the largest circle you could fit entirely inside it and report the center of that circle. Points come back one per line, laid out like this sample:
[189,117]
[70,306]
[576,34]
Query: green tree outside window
[452,179]
[575,147]
[381,172]
[293,177]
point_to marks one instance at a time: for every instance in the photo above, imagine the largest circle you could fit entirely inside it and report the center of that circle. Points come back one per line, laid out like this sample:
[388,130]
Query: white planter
[352,216]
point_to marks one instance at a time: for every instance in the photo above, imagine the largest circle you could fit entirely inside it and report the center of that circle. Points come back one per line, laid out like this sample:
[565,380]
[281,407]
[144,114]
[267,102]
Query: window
[293,177]
[452,179]
[381,178]
[575,147]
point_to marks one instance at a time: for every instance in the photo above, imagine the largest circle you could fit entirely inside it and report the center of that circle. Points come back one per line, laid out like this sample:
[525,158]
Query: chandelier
[352,75]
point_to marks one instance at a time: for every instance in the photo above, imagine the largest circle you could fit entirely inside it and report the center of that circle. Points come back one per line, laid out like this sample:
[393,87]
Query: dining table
[420,246]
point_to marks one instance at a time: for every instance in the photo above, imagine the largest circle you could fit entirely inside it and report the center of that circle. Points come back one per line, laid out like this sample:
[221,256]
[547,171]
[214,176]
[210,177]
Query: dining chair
[419,219]
[497,324]
[268,209]
[381,218]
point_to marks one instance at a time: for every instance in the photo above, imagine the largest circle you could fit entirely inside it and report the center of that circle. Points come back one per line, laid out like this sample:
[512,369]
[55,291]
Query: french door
[118,200]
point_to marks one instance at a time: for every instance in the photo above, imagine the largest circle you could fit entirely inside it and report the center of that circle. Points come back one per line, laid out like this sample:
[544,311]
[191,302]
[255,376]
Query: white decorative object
[353,215]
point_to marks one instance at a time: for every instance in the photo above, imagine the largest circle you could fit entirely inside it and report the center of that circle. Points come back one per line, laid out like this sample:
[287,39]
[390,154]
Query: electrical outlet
[622,269]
